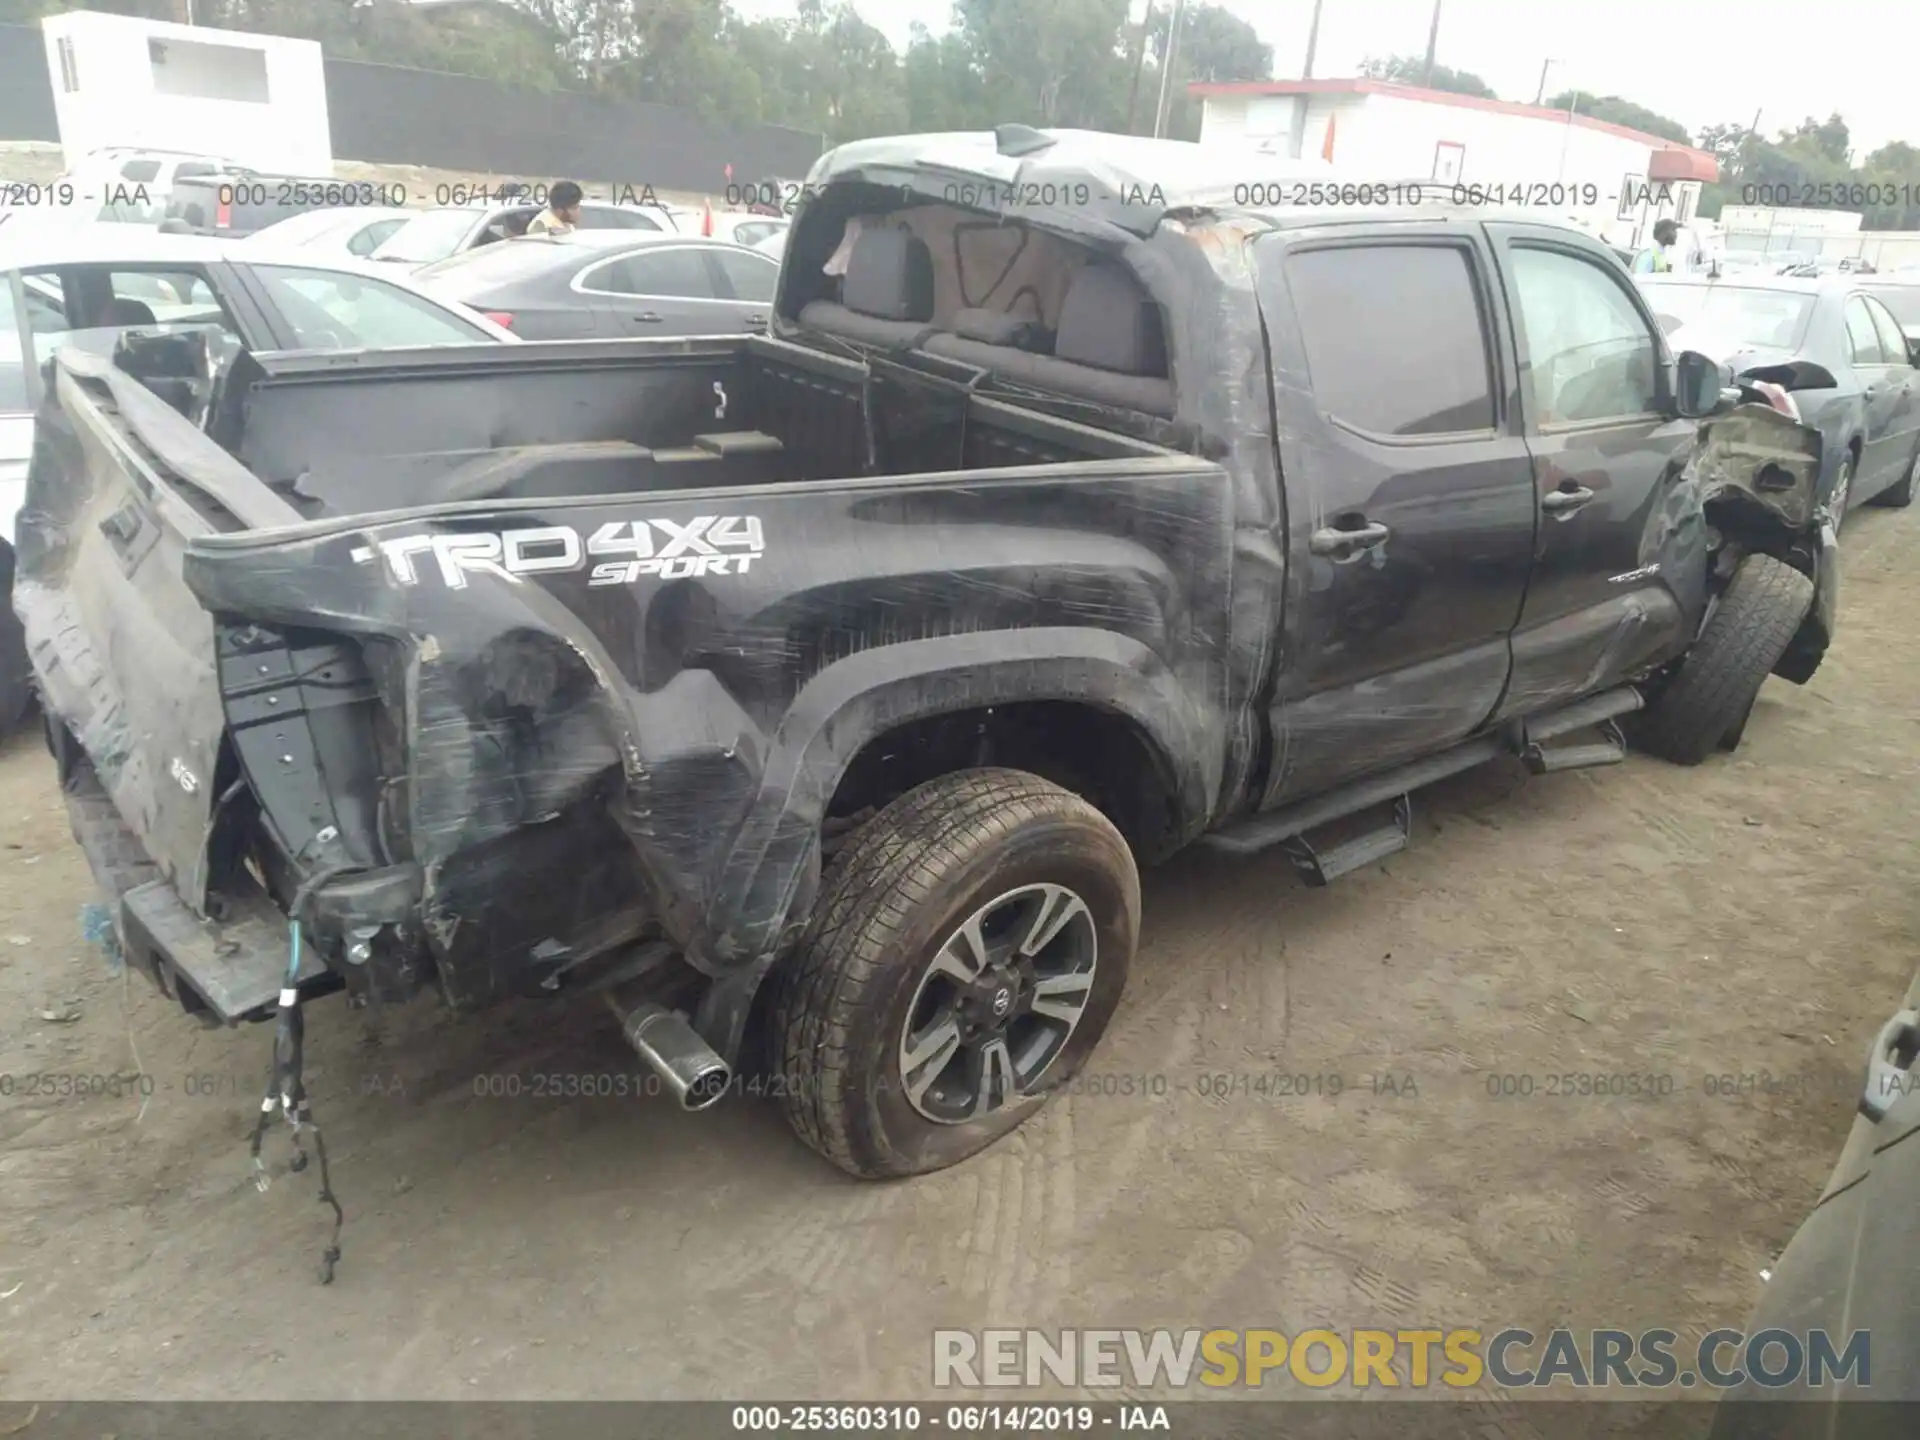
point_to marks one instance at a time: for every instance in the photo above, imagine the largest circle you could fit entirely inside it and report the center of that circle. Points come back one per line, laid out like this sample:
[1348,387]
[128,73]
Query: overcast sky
[1699,61]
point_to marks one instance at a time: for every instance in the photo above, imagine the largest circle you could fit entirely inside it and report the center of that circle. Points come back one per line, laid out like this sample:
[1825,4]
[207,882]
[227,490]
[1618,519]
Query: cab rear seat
[886,296]
[1109,347]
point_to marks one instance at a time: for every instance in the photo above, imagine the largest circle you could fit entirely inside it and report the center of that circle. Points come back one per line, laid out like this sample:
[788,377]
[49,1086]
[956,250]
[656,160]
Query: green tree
[1412,70]
[1617,111]
[1047,62]
[1215,45]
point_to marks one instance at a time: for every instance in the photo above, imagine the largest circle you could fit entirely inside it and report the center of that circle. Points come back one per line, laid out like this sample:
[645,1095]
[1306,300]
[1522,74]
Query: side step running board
[1263,832]
[1320,868]
[1600,712]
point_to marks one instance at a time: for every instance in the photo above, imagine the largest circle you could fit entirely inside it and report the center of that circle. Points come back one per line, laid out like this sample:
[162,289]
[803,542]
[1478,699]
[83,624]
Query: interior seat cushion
[1109,322]
[830,317]
[1148,394]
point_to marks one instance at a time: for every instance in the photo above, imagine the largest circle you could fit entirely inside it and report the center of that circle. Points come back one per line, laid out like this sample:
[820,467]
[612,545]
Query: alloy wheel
[998,1003]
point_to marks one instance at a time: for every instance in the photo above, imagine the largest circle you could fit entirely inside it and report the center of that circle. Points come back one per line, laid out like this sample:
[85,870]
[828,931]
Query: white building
[260,100]
[1609,179]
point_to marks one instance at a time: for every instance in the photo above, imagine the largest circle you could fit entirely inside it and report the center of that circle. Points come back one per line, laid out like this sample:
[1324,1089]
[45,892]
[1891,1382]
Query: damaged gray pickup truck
[812,698]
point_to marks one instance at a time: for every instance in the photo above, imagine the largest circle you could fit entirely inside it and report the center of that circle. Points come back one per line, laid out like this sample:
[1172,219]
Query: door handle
[756,322]
[647,317]
[1565,501]
[1345,544]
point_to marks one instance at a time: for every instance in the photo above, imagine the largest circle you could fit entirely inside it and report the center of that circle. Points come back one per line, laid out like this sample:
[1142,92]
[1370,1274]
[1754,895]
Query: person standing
[562,213]
[1659,259]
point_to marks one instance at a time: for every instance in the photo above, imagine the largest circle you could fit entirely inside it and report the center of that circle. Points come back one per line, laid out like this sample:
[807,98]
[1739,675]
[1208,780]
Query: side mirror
[1913,350]
[1698,382]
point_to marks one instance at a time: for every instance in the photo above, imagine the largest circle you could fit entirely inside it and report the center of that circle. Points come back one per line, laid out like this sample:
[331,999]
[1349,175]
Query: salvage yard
[1653,929]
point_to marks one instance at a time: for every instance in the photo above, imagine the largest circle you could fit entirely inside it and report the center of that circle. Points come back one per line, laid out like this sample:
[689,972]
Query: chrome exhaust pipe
[693,1070]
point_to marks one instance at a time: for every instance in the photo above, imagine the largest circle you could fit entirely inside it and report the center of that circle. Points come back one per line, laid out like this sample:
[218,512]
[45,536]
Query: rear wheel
[966,953]
[1706,700]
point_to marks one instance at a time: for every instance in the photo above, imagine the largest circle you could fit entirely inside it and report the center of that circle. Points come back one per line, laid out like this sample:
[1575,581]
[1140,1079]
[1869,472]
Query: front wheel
[965,955]
[1900,496]
[1707,699]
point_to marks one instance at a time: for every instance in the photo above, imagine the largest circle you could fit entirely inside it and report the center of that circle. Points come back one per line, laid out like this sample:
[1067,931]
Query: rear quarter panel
[708,663]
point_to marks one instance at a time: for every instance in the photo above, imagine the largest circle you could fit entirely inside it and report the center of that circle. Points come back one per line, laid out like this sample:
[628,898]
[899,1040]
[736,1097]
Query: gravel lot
[1752,915]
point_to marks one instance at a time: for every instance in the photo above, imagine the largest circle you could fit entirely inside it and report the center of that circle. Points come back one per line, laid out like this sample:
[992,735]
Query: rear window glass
[496,264]
[606,217]
[431,235]
[1742,315]
[1394,339]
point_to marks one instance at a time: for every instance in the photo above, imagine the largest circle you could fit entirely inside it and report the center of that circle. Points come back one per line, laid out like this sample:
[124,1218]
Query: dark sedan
[1839,350]
[559,287]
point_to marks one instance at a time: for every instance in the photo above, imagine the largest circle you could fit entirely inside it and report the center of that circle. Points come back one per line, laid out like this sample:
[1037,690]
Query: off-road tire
[892,897]
[1715,684]
[1898,497]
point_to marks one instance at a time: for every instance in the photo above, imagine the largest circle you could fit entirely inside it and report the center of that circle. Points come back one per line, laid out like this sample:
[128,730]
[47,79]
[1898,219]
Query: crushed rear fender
[1759,473]
[664,750]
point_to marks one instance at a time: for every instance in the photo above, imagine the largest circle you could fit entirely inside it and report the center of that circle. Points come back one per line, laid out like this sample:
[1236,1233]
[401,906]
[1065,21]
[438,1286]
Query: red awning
[1677,164]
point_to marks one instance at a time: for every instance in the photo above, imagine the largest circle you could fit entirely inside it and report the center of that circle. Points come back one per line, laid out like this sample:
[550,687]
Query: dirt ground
[1754,915]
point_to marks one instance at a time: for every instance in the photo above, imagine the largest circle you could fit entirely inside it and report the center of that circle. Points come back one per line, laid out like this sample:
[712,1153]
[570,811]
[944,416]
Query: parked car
[89,288]
[493,689]
[433,235]
[351,232]
[235,203]
[132,184]
[1835,346]
[774,244]
[746,228]
[1848,1270]
[557,287]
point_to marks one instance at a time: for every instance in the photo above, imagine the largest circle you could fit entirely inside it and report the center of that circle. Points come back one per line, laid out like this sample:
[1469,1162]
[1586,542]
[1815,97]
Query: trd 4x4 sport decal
[620,551]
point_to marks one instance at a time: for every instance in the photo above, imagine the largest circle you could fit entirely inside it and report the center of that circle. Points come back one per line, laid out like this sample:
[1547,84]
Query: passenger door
[662,290]
[749,278]
[1905,430]
[1607,454]
[1880,357]
[1409,498]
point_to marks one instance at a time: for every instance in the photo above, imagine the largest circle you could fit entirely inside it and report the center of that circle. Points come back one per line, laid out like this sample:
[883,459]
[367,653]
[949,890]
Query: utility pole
[1313,42]
[1139,64]
[1166,68]
[1541,94]
[1433,42]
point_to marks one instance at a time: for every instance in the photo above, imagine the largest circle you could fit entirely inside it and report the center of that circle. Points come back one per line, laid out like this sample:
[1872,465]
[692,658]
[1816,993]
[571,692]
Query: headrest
[1108,322]
[889,276]
[126,312]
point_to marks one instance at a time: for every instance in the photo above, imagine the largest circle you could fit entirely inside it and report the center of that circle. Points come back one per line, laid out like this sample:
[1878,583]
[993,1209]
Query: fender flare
[772,861]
